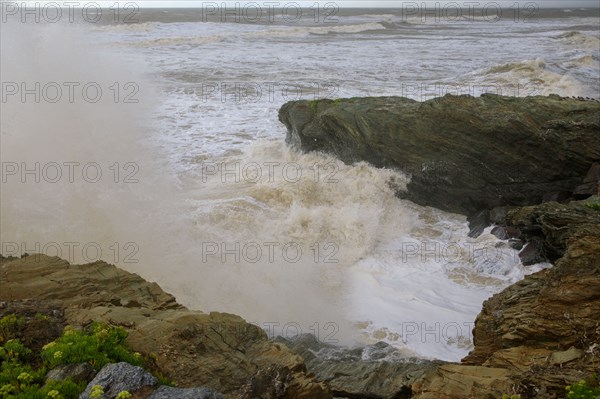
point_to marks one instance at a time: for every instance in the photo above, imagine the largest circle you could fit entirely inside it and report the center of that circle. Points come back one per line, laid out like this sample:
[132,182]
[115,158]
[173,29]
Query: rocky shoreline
[524,164]
[463,154]
[532,339]
[193,349]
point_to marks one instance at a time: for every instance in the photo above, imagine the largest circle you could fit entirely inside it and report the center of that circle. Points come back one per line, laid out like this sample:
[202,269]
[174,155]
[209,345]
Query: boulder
[118,377]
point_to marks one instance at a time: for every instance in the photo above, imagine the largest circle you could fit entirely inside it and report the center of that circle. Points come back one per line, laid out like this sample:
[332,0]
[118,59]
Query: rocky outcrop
[542,333]
[117,377]
[556,308]
[463,154]
[376,371]
[191,348]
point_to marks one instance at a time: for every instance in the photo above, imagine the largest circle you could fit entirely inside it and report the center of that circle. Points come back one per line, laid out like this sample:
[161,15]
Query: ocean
[149,138]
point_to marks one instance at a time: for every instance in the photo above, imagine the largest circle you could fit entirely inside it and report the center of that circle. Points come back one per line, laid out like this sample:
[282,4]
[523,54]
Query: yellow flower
[48,345]
[25,377]
[96,392]
[57,354]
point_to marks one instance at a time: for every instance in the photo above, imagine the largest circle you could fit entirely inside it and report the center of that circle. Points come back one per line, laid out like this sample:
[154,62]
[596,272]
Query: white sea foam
[534,78]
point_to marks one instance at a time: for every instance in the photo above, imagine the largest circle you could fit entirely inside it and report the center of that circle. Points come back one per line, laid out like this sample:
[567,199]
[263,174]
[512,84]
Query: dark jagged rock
[464,154]
[506,232]
[498,214]
[551,224]
[478,222]
[533,253]
[590,184]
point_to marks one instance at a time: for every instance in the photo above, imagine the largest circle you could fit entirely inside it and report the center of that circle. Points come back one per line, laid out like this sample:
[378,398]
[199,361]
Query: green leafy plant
[9,324]
[14,350]
[102,345]
[98,345]
[19,381]
[583,389]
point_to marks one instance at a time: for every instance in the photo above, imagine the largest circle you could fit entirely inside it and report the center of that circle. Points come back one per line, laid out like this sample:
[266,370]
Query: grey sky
[376,3]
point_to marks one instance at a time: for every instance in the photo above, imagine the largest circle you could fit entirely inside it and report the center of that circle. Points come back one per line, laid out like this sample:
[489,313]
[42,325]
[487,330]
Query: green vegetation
[595,207]
[102,345]
[97,345]
[19,381]
[589,389]
[314,104]
[584,389]
[9,325]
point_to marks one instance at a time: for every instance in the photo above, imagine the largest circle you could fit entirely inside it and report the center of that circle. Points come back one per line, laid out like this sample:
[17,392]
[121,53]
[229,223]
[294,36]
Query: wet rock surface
[376,371]
[463,154]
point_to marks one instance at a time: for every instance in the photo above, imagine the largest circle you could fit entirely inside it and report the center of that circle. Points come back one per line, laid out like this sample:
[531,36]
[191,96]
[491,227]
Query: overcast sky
[375,3]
